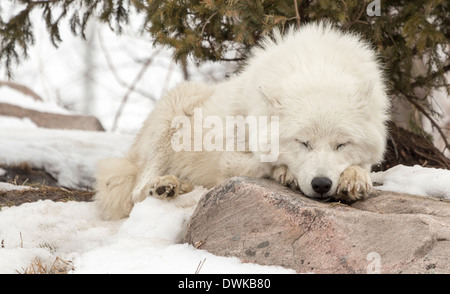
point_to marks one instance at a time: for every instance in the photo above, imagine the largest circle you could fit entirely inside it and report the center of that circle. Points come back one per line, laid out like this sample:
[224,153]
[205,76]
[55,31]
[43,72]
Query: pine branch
[433,76]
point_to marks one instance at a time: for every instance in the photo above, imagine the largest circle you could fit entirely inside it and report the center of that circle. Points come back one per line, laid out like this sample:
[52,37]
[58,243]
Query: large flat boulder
[263,222]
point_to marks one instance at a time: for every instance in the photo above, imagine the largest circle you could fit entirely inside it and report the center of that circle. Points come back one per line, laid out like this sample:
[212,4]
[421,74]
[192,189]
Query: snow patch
[68,155]
[415,180]
[5,187]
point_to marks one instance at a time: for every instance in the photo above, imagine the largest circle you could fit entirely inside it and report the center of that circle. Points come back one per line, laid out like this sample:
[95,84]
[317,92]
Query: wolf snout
[321,185]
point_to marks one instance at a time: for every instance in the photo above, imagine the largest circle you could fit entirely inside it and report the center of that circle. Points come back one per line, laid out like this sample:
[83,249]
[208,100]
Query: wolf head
[323,130]
[327,88]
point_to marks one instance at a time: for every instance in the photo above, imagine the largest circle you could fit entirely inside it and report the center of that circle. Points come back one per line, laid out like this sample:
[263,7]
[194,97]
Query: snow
[415,180]
[69,156]
[10,187]
[150,239]
[94,76]
[26,102]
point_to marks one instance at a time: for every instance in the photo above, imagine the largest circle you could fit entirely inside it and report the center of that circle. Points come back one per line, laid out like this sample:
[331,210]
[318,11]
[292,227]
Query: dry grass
[199,266]
[18,197]
[59,266]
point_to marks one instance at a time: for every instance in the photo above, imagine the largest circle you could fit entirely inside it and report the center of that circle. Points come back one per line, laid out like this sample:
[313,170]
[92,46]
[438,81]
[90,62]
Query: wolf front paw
[282,175]
[169,187]
[354,184]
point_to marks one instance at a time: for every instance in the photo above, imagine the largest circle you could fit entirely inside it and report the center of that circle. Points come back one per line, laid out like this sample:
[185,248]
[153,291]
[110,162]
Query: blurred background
[114,59]
[116,78]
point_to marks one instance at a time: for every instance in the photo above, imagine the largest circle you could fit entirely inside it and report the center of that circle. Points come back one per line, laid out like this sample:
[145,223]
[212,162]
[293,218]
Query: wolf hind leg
[115,181]
[168,186]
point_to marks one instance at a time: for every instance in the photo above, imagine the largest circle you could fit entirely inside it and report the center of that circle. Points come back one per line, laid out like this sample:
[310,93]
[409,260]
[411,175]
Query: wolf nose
[321,185]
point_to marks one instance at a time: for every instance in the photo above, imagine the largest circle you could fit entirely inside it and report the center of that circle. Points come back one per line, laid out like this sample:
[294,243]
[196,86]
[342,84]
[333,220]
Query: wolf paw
[169,187]
[354,183]
[282,174]
[165,187]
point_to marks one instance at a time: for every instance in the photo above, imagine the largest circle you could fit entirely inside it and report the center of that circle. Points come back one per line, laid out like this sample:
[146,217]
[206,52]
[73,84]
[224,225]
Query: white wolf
[325,87]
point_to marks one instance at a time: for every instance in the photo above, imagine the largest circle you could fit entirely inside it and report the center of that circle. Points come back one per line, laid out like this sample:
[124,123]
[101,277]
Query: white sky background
[78,76]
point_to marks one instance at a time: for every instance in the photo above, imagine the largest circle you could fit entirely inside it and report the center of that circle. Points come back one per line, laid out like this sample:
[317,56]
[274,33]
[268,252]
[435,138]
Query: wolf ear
[271,95]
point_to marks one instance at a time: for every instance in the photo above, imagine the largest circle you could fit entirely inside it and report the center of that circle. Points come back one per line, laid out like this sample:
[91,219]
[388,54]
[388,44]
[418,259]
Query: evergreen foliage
[225,30]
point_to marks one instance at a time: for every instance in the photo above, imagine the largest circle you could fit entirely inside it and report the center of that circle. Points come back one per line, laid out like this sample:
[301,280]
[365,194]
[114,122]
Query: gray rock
[262,222]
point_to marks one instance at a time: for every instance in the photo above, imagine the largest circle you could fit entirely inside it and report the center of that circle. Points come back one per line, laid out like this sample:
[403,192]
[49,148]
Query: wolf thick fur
[325,86]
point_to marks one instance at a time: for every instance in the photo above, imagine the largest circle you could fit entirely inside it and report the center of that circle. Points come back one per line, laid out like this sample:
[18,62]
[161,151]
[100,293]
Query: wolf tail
[116,178]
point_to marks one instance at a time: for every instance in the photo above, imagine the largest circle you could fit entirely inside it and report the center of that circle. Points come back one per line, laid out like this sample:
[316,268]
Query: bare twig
[297,13]
[113,70]
[199,266]
[434,75]
[34,2]
[428,116]
[206,23]
[357,18]
[167,79]
[132,87]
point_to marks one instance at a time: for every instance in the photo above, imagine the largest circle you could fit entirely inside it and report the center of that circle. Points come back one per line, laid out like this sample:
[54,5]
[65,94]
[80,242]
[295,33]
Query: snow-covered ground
[93,78]
[150,240]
